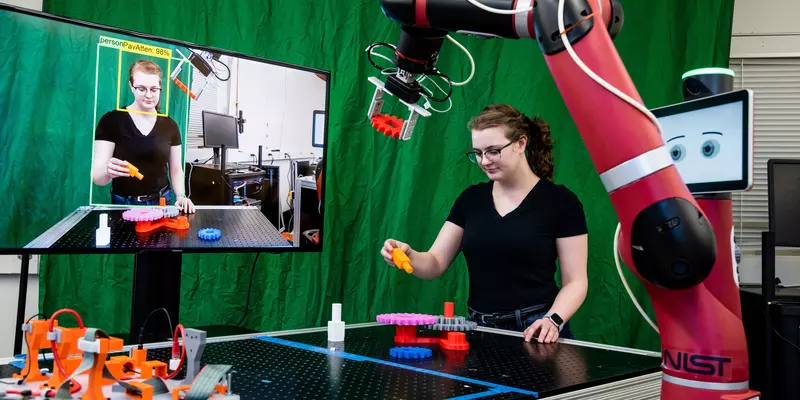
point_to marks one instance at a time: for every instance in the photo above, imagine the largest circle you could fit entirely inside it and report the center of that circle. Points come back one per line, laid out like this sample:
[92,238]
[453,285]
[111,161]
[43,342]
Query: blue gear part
[209,234]
[410,352]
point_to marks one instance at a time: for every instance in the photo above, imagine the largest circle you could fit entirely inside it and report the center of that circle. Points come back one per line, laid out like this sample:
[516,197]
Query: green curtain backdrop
[377,187]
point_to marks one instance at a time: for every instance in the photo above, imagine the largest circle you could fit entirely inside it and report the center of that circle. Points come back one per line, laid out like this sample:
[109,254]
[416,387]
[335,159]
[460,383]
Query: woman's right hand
[117,168]
[390,245]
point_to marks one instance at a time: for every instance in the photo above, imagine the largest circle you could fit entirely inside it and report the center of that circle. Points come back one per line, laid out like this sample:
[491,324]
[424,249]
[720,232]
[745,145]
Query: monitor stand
[221,159]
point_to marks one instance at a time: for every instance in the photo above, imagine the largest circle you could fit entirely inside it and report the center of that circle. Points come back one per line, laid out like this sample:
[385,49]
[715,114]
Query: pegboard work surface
[547,369]
[240,228]
[306,366]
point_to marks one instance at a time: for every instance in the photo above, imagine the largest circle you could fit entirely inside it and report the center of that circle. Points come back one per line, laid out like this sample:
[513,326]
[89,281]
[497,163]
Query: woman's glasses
[492,155]
[142,90]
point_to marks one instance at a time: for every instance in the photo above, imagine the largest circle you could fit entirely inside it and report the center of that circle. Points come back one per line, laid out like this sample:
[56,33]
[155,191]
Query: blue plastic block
[209,234]
[410,352]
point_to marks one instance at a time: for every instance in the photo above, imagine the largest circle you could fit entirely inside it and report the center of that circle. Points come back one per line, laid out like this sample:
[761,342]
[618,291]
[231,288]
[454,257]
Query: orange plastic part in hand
[389,125]
[401,260]
[180,223]
[134,172]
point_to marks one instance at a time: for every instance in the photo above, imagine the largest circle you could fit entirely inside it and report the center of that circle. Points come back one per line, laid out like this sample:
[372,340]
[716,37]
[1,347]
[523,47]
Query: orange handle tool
[184,88]
[401,260]
[134,172]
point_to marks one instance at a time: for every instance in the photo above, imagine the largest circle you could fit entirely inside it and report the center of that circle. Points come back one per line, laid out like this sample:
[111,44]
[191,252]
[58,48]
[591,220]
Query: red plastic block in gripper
[389,125]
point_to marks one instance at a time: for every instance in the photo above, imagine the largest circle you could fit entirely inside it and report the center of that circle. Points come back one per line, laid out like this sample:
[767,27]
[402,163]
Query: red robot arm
[666,239]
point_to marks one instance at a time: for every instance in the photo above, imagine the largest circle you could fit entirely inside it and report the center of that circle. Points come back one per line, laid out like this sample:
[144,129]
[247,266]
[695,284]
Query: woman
[140,137]
[511,231]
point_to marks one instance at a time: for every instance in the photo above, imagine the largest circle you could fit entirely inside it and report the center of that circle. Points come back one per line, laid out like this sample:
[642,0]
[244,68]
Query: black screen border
[771,211]
[121,31]
[745,96]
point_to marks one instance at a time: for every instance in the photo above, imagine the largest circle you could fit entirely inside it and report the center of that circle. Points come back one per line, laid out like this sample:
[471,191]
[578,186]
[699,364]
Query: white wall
[32,4]
[767,28]
[9,266]
[278,105]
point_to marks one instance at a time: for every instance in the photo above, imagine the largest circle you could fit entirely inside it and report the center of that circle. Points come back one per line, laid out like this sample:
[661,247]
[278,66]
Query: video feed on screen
[116,142]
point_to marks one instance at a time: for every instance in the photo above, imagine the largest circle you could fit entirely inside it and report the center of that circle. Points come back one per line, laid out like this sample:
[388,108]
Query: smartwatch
[556,320]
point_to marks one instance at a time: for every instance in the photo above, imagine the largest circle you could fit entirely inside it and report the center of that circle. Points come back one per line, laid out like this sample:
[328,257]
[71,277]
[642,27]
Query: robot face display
[706,144]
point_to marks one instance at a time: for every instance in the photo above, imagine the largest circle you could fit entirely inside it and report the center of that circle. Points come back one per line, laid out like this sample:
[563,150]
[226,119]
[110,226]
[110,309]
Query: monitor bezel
[314,129]
[745,96]
[236,133]
[771,163]
[231,53]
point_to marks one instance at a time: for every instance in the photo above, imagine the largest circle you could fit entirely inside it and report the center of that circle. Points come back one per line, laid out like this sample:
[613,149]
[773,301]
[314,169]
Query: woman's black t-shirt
[150,153]
[512,259]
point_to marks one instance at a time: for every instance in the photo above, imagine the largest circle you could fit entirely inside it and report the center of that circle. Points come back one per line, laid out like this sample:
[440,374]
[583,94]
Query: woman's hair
[539,148]
[150,68]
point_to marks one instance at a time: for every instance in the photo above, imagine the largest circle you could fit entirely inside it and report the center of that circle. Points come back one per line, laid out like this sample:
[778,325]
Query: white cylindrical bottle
[103,234]
[336,325]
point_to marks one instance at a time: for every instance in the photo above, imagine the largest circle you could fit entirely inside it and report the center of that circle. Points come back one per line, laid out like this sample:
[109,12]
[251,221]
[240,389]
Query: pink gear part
[143,214]
[406,319]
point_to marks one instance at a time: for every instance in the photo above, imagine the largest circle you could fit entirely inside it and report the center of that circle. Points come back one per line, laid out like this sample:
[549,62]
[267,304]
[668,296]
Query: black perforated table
[498,365]
[157,264]
[242,227]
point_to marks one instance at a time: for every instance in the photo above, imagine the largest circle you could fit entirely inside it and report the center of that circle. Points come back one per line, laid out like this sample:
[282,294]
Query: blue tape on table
[354,357]
[487,393]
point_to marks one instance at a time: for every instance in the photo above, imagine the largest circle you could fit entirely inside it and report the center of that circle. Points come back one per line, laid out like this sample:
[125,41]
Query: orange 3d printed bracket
[401,260]
[36,339]
[181,223]
[134,172]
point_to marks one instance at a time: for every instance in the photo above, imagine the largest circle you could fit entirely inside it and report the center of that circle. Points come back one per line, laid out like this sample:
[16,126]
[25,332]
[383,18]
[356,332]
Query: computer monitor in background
[220,134]
[783,182]
[303,168]
[219,130]
[710,141]
[153,110]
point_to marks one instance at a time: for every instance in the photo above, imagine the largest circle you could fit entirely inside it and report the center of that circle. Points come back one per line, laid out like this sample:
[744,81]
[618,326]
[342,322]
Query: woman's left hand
[546,329]
[185,205]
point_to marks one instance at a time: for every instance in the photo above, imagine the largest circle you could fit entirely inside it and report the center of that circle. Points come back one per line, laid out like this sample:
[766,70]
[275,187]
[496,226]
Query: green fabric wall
[377,188]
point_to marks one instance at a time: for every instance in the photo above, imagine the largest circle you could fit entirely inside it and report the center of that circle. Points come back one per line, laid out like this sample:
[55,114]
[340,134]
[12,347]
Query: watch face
[557,319]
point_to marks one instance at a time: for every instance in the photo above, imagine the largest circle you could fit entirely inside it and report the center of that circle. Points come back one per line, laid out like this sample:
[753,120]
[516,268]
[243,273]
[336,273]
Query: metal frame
[50,236]
[643,387]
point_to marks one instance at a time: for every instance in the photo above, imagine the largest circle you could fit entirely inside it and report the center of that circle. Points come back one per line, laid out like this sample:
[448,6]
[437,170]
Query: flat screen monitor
[783,187]
[100,125]
[710,141]
[219,130]
[319,129]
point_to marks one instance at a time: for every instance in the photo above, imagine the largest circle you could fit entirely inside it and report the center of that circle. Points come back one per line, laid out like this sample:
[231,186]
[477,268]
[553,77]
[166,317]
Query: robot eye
[710,148]
[677,152]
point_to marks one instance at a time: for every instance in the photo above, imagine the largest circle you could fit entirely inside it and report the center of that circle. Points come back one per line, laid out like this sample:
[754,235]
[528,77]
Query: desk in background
[240,185]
